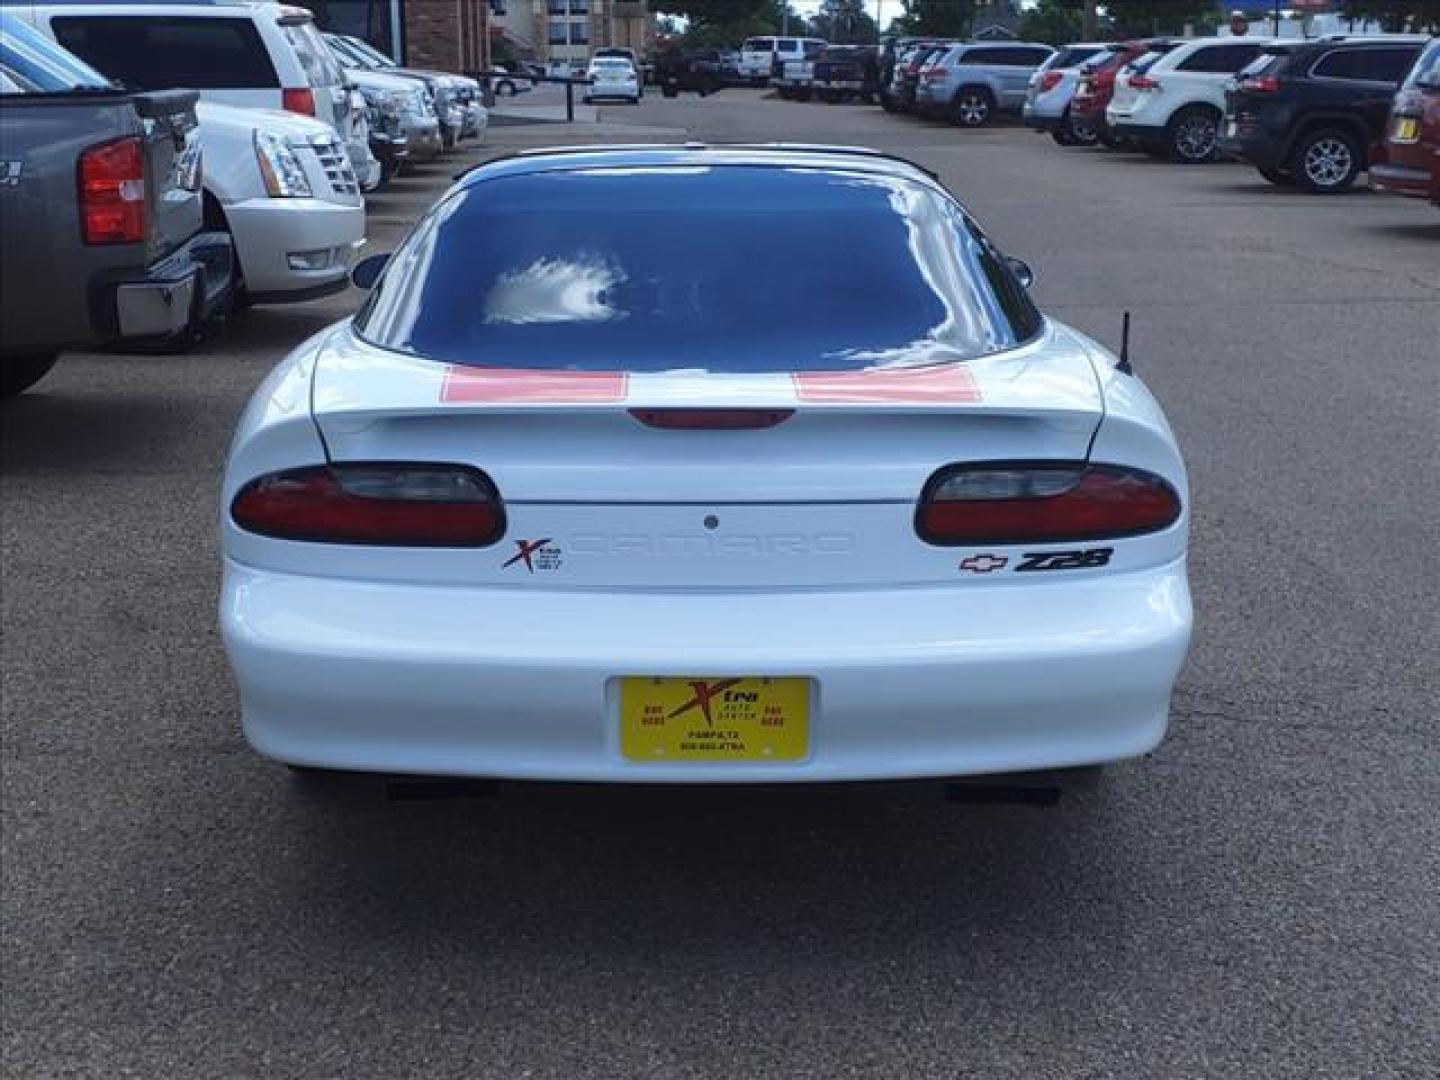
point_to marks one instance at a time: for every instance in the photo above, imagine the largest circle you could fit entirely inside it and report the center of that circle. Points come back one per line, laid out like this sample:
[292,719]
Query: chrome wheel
[1328,162]
[1083,133]
[1196,136]
[972,109]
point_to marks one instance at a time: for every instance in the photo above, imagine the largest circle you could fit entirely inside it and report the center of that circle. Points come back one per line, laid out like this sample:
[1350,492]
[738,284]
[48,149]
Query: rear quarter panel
[45,266]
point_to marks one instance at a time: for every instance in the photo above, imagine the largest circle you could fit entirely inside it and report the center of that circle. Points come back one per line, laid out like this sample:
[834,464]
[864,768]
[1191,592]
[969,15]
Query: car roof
[776,155]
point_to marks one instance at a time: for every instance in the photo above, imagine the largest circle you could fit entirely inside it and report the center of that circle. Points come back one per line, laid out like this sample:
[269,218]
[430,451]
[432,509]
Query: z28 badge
[1065,560]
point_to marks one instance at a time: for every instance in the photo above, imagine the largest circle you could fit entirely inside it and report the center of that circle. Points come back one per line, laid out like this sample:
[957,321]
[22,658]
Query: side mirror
[1019,267]
[367,271]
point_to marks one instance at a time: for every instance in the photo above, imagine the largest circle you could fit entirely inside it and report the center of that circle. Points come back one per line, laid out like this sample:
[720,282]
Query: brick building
[451,34]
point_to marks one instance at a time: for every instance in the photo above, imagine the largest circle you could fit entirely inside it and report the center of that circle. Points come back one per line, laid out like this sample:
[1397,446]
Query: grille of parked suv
[335,160]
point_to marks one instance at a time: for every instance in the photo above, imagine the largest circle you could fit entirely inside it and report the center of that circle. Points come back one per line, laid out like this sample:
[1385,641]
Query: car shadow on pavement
[51,429]
[750,876]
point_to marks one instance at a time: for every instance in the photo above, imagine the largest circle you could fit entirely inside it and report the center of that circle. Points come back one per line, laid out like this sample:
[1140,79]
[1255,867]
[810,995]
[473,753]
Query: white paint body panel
[445,661]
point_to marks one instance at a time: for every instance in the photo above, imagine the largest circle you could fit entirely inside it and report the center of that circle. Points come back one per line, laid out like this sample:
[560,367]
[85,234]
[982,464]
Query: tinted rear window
[1426,71]
[1373,64]
[155,52]
[640,270]
[1071,56]
[320,66]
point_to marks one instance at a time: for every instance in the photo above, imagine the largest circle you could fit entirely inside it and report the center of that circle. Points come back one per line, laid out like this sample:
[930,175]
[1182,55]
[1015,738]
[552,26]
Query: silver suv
[970,83]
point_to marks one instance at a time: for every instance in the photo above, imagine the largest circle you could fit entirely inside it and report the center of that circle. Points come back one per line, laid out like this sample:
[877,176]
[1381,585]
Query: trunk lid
[597,499]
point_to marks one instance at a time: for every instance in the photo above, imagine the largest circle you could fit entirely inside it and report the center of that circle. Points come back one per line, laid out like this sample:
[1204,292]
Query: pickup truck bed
[100,208]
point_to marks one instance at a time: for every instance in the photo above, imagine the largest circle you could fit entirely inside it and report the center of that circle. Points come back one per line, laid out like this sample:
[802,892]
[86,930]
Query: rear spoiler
[159,104]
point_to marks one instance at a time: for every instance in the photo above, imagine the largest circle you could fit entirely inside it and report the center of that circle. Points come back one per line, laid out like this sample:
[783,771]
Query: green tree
[1416,15]
[1054,22]
[726,23]
[935,18]
[845,22]
[1143,18]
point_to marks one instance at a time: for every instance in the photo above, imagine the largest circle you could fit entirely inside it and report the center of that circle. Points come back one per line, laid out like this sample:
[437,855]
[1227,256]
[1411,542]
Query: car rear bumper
[1129,129]
[278,242]
[510,683]
[1041,121]
[170,297]
[1402,180]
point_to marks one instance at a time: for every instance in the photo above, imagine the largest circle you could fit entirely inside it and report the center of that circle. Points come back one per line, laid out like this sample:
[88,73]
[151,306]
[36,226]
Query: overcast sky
[888,8]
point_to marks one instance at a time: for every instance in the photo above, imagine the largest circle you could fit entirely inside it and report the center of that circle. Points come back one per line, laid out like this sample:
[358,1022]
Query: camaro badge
[536,555]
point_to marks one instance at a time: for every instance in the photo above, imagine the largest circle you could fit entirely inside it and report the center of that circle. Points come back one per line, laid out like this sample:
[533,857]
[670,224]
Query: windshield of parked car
[1426,72]
[622,66]
[638,269]
[758,45]
[34,64]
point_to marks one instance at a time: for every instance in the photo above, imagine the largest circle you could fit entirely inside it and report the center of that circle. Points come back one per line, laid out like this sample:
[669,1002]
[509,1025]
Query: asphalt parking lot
[1261,897]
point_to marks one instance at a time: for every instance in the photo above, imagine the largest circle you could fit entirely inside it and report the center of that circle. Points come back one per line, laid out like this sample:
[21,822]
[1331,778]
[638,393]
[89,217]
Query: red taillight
[112,192]
[298,101]
[712,419]
[1144,82]
[1049,81]
[934,74]
[379,503]
[1027,503]
[1264,84]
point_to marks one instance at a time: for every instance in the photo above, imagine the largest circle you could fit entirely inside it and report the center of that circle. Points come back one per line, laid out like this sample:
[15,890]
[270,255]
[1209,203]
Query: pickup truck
[793,74]
[845,72]
[101,213]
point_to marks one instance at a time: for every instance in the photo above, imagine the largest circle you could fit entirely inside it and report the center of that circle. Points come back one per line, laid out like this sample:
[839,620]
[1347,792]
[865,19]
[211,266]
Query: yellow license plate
[1407,130]
[714,719]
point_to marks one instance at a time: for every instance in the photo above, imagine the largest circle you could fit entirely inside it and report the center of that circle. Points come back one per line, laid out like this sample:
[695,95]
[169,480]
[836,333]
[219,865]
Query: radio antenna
[1124,364]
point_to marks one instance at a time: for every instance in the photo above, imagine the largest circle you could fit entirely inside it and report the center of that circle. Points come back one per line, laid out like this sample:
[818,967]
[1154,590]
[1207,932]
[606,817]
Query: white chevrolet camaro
[703,464]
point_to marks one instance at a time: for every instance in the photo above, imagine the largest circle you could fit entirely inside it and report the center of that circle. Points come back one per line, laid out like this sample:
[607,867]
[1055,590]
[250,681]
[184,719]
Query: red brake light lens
[399,505]
[712,419]
[298,101]
[112,192]
[1263,84]
[1044,502]
[1049,81]
[1144,82]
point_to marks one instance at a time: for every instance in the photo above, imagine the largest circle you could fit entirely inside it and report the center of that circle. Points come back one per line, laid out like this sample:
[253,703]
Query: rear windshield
[1072,56]
[1145,62]
[317,60]
[1266,62]
[1426,71]
[157,52]
[33,64]
[762,44]
[640,269]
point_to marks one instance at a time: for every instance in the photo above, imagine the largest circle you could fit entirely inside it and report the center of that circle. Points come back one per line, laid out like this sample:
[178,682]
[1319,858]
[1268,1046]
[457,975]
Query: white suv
[1172,103]
[279,181]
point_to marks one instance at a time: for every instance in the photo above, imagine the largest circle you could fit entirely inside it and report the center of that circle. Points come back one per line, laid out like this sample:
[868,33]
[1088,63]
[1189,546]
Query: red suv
[1412,144]
[1097,85]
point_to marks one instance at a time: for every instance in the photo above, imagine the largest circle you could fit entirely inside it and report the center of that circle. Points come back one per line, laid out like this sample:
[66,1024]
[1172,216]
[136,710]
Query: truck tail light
[112,192]
[934,74]
[298,101]
[399,505]
[1144,82]
[1042,502]
[1049,81]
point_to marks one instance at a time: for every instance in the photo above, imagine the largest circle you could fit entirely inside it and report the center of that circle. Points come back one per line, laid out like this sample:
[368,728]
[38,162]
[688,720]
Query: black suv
[1311,112]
